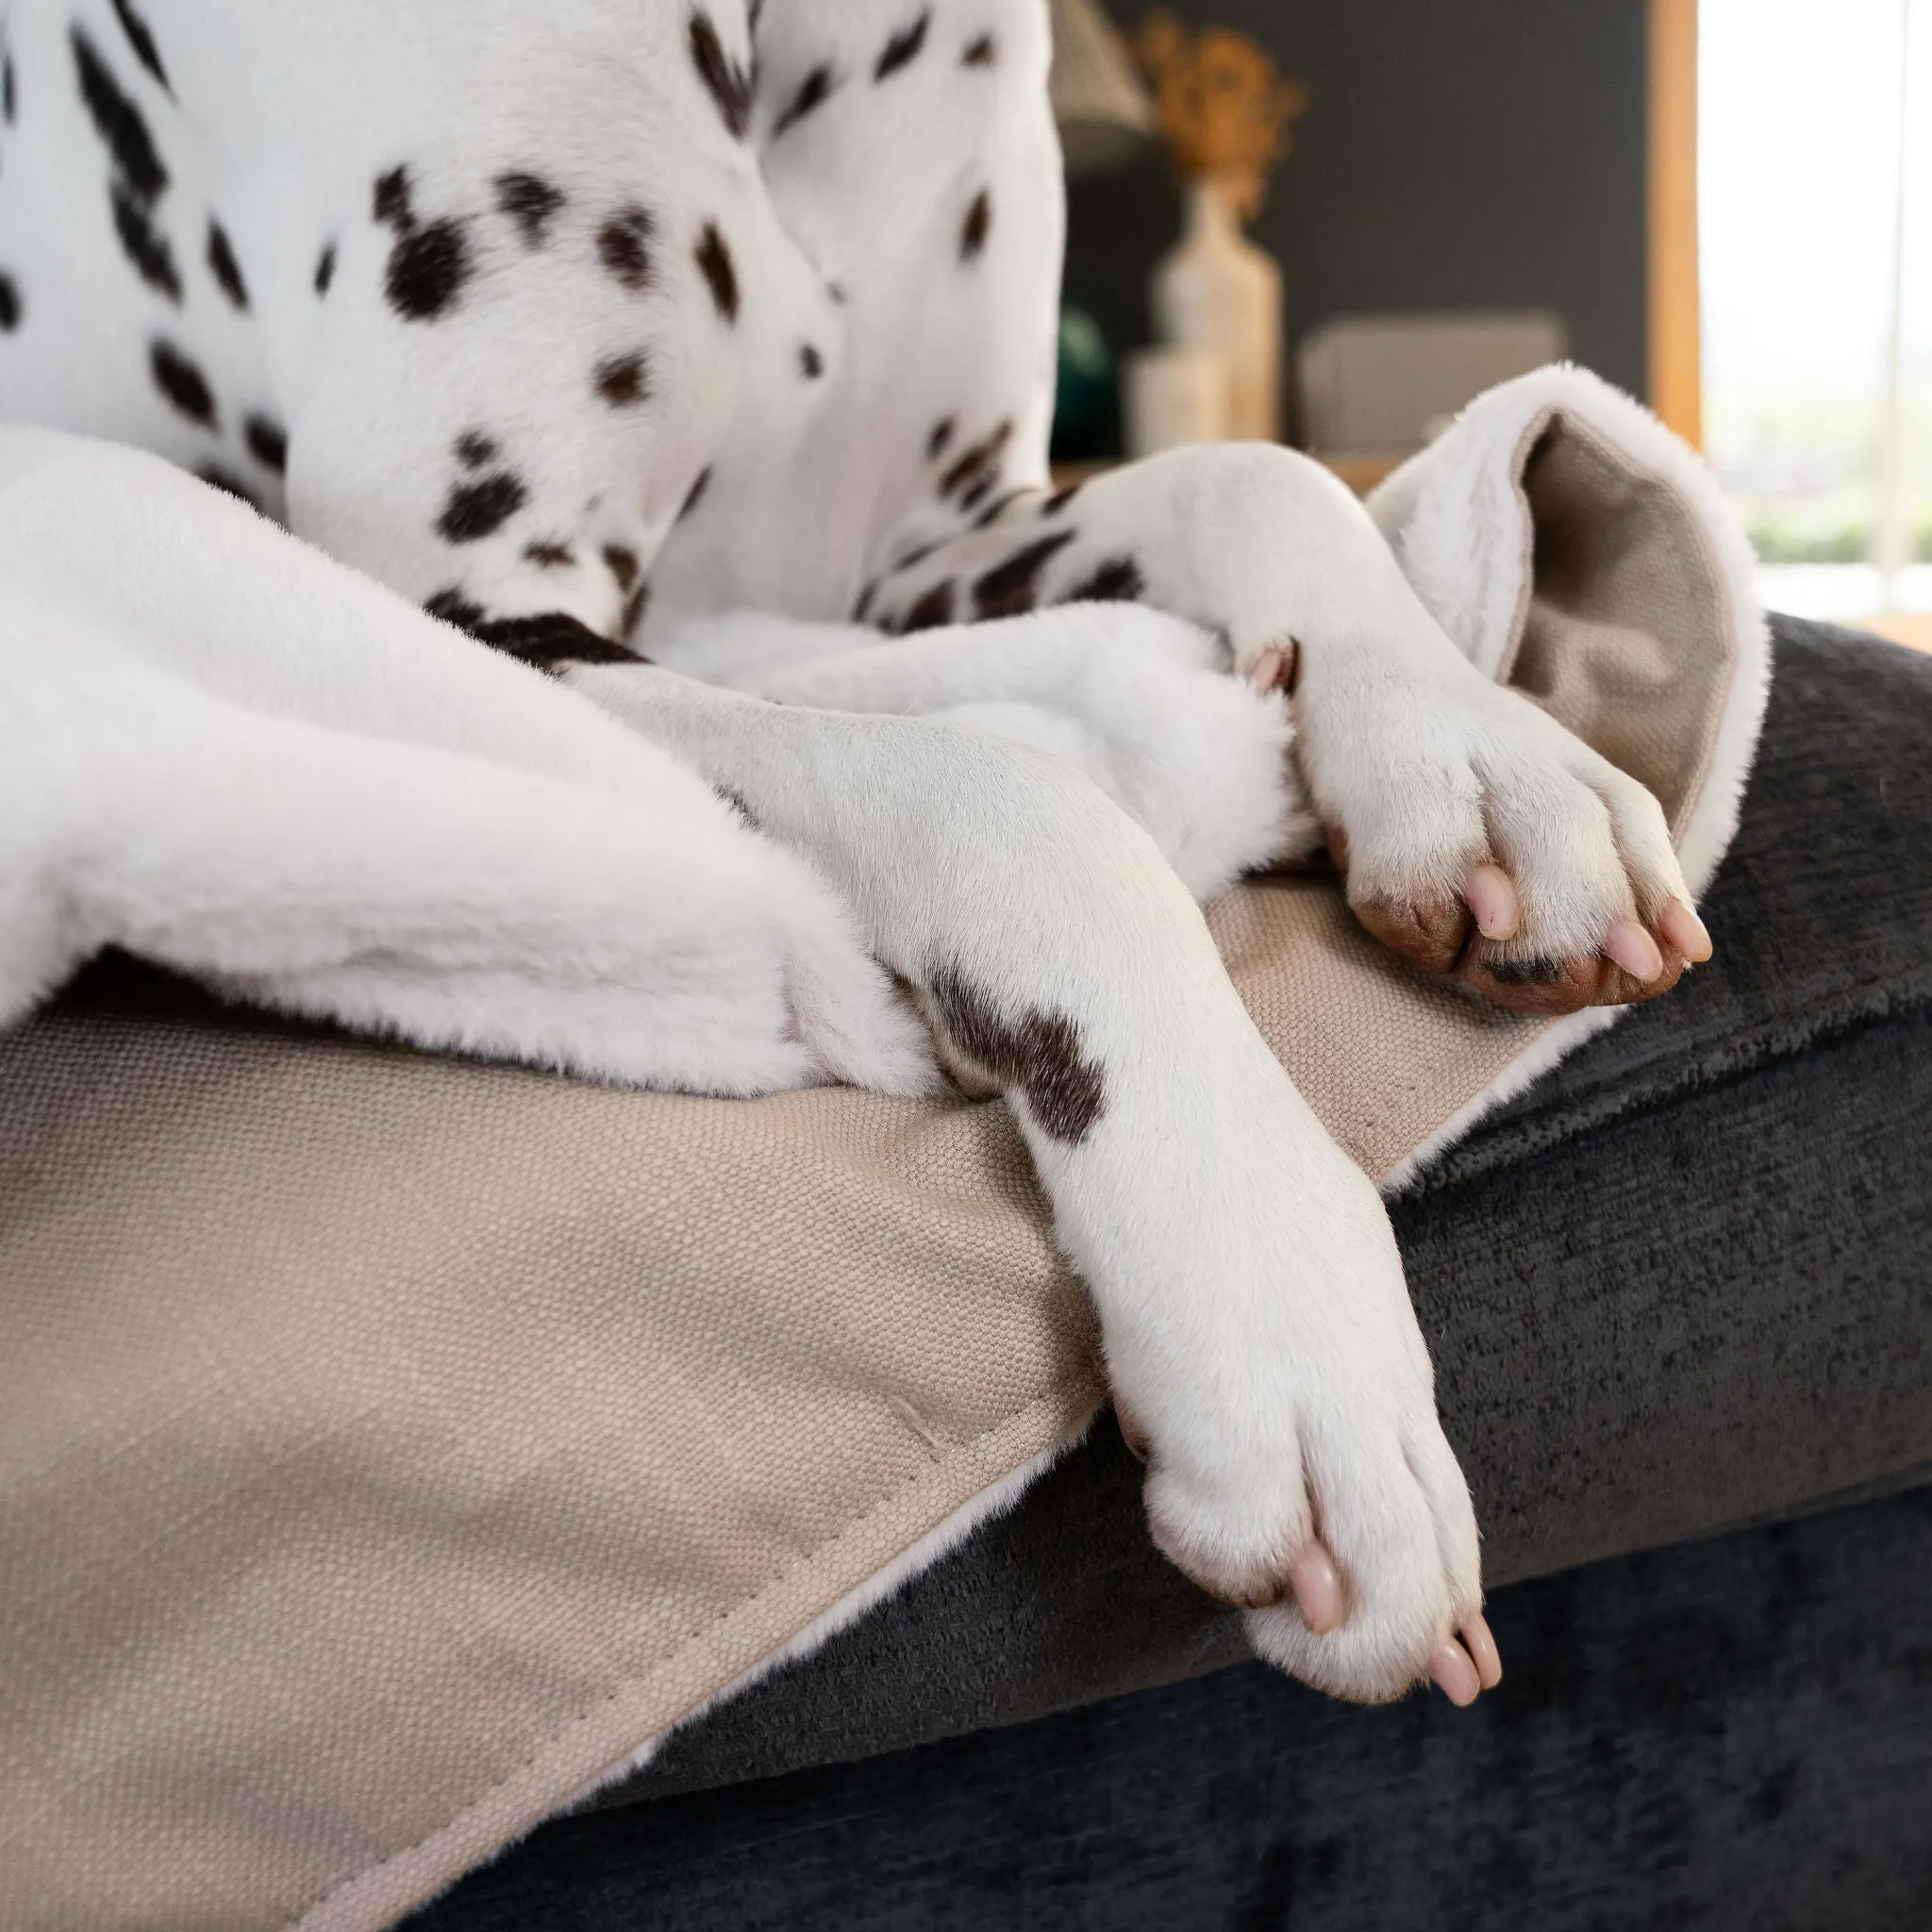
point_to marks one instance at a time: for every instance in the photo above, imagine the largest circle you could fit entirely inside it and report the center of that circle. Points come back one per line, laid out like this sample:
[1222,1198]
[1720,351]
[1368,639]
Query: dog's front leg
[1256,1324]
[1479,838]
[1132,697]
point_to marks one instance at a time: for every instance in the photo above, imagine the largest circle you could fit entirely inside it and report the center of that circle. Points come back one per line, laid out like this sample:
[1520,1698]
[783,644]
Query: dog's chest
[410,223]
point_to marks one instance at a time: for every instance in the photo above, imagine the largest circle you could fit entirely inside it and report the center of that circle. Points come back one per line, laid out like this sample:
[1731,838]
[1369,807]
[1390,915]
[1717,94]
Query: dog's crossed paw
[1481,840]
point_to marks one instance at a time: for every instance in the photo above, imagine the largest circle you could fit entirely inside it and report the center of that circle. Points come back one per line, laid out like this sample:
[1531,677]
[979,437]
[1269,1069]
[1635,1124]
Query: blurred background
[1724,206]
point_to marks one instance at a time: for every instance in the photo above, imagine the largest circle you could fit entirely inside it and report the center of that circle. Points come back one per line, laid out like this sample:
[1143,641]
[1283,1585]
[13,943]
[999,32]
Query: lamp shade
[1101,110]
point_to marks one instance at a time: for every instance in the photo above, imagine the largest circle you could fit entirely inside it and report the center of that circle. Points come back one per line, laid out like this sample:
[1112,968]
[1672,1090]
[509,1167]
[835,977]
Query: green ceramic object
[1087,396]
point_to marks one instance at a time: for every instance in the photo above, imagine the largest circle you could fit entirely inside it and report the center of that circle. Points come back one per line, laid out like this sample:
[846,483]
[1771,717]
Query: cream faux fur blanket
[393,1447]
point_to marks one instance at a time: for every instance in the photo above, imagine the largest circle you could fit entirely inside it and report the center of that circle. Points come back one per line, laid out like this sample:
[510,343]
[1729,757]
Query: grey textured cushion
[1683,1283]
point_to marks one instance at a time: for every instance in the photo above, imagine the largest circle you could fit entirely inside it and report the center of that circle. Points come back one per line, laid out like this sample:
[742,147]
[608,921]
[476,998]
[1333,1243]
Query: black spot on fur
[1530,972]
[1013,586]
[1039,1053]
[837,291]
[267,443]
[622,562]
[937,439]
[623,381]
[530,201]
[218,478]
[547,641]
[1118,580]
[118,121]
[977,225]
[996,510]
[634,608]
[479,509]
[224,267]
[473,449]
[810,363]
[142,41]
[862,603]
[903,47]
[738,805]
[1059,500]
[720,272]
[181,382]
[623,246]
[816,86]
[933,609]
[6,90]
[918,554]
[325,268]
[388,200]
[723,81]
[980,490]
[978,52]
[143,243]
[138,176]
[9,303]
[548,555]
[427,269]
[978,463]
[454,608]
[694,495]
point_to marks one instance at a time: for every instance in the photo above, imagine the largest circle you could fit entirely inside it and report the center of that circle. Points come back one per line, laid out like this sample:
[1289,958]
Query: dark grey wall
[1455,154]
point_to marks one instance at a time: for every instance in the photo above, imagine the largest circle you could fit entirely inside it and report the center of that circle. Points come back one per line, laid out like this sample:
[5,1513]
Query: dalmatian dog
[699,355]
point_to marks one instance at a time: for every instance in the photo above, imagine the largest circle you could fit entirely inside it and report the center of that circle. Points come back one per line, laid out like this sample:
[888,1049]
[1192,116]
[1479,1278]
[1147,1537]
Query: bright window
[1815,216]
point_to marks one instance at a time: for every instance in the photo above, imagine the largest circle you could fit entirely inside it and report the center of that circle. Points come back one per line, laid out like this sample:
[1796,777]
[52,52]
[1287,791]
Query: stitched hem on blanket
[376,1897]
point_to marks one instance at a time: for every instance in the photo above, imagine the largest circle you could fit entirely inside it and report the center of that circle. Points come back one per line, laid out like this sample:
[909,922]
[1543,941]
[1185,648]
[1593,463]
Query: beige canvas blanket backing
[390,1444]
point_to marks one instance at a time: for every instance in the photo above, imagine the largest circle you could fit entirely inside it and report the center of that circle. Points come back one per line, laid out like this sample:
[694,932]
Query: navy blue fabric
[1736,1734]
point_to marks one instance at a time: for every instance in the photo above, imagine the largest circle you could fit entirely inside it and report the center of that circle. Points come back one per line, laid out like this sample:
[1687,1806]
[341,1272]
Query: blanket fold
[393,1446]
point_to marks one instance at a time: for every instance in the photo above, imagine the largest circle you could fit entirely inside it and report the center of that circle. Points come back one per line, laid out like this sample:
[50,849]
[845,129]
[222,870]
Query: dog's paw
[1354,1553]
[1481,840]
[1297,1468]
[1392,1594]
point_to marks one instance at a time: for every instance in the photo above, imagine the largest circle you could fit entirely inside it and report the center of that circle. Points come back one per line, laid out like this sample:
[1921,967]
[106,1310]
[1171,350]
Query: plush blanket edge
[937,1543]
[817,1597]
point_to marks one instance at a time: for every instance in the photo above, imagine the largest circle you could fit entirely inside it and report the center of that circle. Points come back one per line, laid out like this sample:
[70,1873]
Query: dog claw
[1679,926]
[1275,668]
[1489,893]
[1468,1665]
[1317,1586]
[1627,944]
[1453,1671]
[1481,1647]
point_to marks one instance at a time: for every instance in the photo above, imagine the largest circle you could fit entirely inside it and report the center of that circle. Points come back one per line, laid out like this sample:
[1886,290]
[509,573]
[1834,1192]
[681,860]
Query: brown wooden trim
[1676,373]
[1901,626]
[1360,473]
